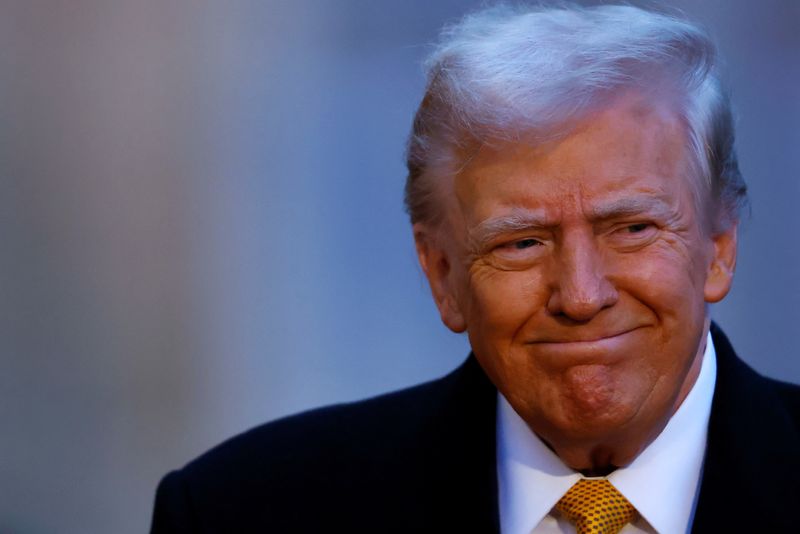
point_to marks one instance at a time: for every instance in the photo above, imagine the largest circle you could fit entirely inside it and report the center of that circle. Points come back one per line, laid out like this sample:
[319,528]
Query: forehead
[631,148]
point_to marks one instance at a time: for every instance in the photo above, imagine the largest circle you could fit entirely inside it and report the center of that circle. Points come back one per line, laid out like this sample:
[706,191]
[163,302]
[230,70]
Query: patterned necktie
[596,507]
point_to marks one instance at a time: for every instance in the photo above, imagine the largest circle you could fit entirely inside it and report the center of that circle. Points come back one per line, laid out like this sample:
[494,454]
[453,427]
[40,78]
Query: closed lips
[581,337]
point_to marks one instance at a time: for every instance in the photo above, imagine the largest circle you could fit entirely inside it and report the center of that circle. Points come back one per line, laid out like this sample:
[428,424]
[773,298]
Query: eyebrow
[524,219]
[515,221]
[625,207]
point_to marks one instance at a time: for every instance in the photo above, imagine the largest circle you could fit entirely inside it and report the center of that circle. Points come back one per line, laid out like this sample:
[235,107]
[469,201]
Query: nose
[580,287]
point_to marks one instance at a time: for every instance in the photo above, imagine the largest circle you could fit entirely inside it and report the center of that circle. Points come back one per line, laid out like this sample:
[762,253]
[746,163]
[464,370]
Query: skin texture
[581,271]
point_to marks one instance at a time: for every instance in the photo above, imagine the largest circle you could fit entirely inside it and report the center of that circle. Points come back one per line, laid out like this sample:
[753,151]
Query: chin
[597,428]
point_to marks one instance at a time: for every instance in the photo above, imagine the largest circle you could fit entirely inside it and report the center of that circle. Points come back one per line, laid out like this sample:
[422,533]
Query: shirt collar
[531,478]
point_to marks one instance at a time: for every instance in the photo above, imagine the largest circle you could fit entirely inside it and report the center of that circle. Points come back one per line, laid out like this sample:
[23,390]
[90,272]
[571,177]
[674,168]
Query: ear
[436,264]
[723,265]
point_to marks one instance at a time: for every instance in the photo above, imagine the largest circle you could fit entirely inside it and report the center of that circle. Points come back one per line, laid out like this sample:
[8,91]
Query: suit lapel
[462,455]
[753,450]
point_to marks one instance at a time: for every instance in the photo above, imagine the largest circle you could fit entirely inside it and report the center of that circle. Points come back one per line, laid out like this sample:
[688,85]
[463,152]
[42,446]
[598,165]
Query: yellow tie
[596,507]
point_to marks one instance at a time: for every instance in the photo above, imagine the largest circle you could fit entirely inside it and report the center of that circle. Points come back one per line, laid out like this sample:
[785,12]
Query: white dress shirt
[662,482]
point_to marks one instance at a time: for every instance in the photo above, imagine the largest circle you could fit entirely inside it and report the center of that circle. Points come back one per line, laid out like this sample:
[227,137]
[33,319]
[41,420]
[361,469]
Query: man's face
[580,271]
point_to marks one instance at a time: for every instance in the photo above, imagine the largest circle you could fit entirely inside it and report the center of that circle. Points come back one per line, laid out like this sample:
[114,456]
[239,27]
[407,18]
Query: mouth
[582,337]
[606,348]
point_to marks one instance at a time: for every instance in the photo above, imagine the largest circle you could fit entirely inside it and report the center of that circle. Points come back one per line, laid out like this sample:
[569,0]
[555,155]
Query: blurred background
[202,228]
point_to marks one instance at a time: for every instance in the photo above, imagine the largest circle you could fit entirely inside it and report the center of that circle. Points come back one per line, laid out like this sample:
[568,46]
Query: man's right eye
[518,254]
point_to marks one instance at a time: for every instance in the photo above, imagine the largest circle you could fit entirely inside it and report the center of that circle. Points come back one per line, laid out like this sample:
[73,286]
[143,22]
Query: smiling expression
[581,271]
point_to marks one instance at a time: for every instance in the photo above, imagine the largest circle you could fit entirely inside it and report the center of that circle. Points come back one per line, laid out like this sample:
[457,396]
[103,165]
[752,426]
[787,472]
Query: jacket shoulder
[789,395]
[372,454]
[312,444]
[752,456]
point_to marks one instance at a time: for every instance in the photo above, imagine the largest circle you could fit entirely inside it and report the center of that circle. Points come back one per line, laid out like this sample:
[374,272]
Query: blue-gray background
[201,222]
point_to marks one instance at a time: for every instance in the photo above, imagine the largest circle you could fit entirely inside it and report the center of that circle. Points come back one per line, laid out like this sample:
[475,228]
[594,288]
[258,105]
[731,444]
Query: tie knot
[595,506]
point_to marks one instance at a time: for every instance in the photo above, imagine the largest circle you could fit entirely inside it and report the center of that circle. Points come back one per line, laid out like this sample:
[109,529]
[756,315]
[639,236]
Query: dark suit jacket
[423,460]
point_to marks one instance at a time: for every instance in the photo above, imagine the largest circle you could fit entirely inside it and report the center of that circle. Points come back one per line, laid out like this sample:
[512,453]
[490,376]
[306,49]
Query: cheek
[503,301]
[667,277]
[669,282]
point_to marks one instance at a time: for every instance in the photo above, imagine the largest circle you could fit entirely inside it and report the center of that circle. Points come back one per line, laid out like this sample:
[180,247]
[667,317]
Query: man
[574,195]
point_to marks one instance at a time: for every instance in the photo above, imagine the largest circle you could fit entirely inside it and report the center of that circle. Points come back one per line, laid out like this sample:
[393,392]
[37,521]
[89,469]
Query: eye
[518,253]
[525,243]
[634,234]
[637,228]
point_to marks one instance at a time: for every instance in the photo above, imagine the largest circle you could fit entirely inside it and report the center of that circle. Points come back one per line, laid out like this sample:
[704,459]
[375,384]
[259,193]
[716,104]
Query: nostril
[581,306]
[582,310]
